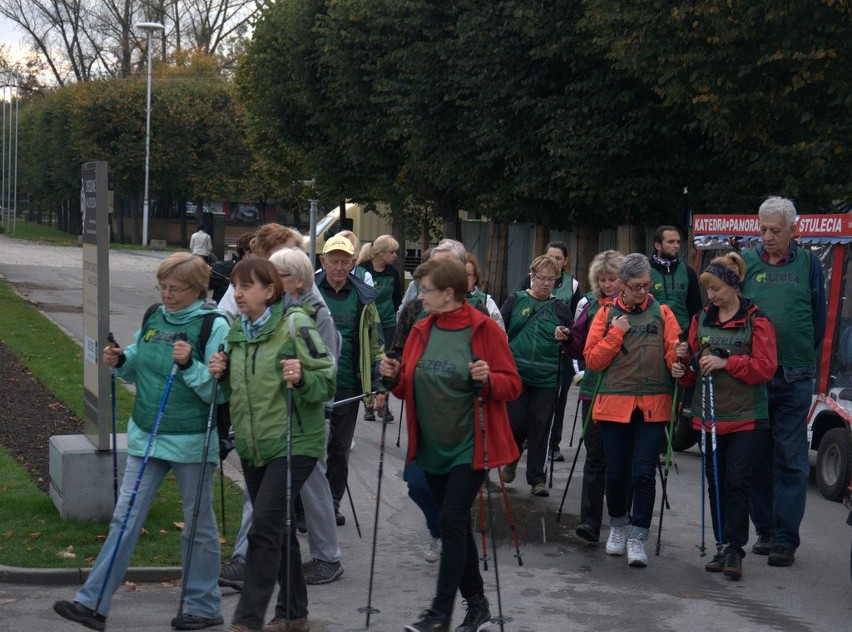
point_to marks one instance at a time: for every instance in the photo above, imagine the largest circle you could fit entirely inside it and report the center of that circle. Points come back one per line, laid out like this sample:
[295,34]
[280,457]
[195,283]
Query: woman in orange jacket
[631,342]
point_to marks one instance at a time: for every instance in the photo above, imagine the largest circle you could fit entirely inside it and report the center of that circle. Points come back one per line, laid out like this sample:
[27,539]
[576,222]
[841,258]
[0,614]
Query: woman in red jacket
[446,436]
[734,342]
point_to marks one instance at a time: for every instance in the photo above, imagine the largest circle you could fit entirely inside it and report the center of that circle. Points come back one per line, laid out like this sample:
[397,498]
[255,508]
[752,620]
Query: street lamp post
[149,28]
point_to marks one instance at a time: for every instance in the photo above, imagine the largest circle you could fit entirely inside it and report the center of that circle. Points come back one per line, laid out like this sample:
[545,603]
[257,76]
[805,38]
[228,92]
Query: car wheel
[834,463]
[684,436]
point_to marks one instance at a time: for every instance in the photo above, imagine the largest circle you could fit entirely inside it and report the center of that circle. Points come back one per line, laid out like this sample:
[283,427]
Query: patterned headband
[724,274]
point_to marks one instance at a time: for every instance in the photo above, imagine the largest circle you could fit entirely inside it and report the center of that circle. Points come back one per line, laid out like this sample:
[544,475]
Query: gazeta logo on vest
[525,311]
[776,277]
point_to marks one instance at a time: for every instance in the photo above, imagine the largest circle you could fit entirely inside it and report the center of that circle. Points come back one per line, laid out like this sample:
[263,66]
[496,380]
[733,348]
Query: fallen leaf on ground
[67,553]
[179,525]
[129,586]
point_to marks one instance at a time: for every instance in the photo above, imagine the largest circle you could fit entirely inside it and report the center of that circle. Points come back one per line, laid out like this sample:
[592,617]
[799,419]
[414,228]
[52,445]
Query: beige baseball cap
[338,242]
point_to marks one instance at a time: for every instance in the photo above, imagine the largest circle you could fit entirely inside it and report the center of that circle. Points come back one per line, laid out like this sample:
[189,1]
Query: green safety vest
[671,290]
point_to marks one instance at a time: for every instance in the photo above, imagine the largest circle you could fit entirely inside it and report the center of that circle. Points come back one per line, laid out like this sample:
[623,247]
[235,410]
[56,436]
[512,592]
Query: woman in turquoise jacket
[272,348]
[182,282]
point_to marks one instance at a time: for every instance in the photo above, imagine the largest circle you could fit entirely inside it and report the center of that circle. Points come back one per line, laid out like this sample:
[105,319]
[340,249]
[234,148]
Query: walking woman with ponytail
[734,342]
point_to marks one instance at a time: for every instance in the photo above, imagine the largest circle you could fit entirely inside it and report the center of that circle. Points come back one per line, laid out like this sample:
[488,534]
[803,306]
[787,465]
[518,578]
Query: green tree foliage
[768,85]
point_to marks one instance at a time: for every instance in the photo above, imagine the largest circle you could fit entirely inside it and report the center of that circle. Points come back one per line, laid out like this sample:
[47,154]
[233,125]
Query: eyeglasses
[545,279]
[638,287]
[333,263]
[167,289]
[429,290]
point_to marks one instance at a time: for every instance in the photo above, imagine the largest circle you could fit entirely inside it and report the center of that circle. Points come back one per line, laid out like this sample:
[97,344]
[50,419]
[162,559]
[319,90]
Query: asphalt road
[563,584]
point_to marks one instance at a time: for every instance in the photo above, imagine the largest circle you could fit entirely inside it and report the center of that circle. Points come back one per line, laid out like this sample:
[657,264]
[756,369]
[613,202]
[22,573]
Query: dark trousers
[644,440]
[594,473]
[455,493]
[736,454]
[267,549]
[530,417]
[341,431]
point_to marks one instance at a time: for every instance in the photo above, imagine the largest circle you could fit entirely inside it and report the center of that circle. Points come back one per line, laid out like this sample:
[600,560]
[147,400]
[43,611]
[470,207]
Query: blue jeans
[203,597]
[781,468]
[419,492]
[643,438]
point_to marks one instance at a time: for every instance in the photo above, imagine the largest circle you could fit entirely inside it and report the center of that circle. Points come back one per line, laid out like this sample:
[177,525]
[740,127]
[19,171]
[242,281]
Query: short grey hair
[296,263]
[453,246]
[774,205]
[634,265]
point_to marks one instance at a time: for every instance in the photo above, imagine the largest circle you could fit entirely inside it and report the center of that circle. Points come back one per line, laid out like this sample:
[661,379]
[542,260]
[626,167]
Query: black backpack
[223,411]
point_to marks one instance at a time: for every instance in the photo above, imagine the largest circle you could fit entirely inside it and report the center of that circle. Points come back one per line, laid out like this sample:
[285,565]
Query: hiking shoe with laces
[636,555]
[558,457]
[433,550]
[717,564]
[279,624]
[733,564]
[186,621]
[430,621]
[781,556]
[319,571]
[510,470]
[540,489]
[616,543]
[763,546]
[77,612]
[370,415]
[478,615]
[388,415]
[232,573]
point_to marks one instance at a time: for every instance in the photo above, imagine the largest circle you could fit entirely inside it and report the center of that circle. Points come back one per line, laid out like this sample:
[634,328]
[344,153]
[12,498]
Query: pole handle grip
[477,384]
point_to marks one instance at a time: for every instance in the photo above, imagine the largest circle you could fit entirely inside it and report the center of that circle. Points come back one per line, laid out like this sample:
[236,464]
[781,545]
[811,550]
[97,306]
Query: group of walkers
[296,353]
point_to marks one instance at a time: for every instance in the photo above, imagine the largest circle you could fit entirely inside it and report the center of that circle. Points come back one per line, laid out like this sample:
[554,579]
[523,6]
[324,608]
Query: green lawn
[31,531]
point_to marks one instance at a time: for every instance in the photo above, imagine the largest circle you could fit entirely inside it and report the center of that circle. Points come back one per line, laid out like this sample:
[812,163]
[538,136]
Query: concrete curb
[72,576]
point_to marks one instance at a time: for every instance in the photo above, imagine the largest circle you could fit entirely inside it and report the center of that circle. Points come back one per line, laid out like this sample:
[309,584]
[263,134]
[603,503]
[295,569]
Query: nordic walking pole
[574,425]
[399,428]
[717,528]
[484,558]
[511,519]
[112,342]
[288,521]
[352,506]
[579,445]
[551,447]
[703,548]
[664,504]
[196,507]
[480,405]
[135,491]
[369,609]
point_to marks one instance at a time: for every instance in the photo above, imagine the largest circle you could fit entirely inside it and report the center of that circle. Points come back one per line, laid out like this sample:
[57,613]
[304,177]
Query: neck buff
[668,264]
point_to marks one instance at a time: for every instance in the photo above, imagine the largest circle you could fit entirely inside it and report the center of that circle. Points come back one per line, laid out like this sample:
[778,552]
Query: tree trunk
[496,262]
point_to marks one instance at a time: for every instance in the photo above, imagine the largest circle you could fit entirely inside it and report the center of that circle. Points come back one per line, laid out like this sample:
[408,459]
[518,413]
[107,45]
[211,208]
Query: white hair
[774,205]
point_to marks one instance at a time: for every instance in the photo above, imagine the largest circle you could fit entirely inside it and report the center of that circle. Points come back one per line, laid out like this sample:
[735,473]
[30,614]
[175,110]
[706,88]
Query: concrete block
[158,244]
[81,481]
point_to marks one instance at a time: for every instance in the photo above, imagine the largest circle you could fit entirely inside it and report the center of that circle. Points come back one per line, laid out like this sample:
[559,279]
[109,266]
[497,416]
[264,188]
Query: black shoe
[191,622]
[79,613]
[430,621]
[478,615]
[781,556]
[388,415]
[339,518]
[733,564]
[321,572]
[558,457]
[763,546]
[717,564]
[231,574]
[369,415]
[587,532]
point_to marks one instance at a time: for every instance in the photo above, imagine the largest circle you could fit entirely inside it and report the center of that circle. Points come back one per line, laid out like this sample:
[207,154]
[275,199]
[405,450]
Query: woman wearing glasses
[535,320]
[169,336]
[631,343]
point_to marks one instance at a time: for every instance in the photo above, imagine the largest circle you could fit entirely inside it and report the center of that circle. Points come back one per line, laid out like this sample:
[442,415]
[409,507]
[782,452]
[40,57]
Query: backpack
[223,410]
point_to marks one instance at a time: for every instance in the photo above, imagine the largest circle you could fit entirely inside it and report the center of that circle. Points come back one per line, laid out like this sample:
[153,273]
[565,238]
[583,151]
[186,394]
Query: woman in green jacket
[273,347]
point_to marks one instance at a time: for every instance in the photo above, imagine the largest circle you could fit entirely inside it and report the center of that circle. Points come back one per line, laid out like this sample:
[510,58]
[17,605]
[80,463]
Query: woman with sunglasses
[631,343]
[535,320]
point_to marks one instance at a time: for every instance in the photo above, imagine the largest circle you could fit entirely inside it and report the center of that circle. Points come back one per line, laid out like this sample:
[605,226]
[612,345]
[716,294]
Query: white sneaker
[433,550]
[616,543]
[636,555]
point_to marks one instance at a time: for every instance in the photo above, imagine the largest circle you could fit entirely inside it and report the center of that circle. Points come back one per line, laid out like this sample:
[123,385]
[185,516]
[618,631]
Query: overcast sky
[11,38]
